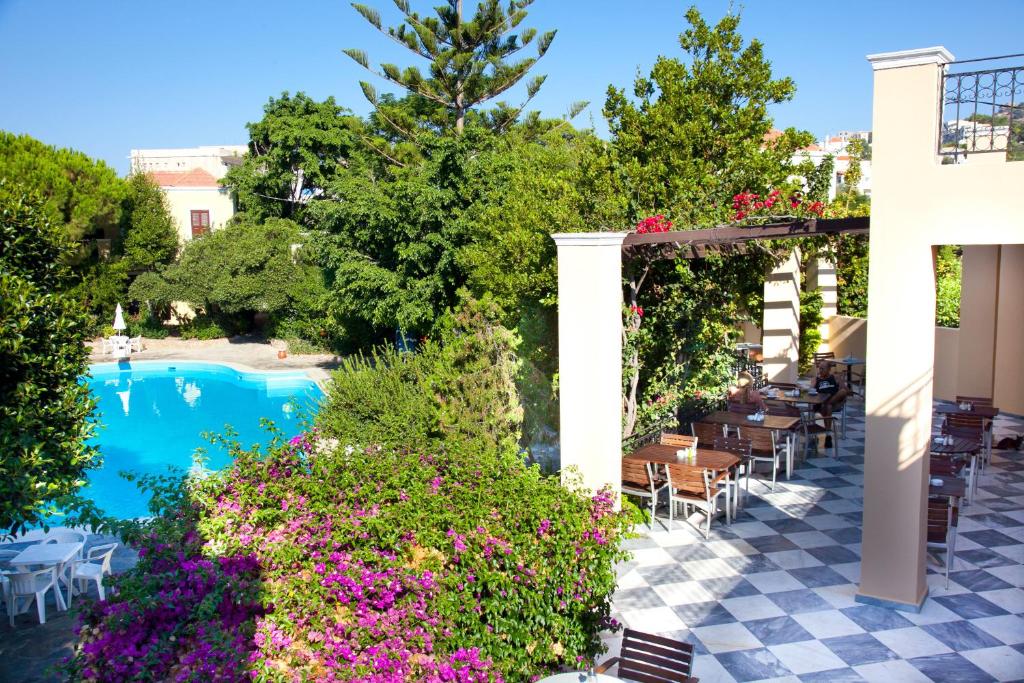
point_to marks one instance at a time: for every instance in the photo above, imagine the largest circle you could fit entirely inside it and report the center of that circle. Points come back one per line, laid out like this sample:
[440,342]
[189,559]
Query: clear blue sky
[105,77]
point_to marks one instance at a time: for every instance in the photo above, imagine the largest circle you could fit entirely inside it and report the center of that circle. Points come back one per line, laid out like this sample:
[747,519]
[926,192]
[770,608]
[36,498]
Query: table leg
[57,595]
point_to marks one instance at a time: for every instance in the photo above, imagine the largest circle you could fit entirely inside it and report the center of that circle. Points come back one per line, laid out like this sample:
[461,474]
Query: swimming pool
[152,414]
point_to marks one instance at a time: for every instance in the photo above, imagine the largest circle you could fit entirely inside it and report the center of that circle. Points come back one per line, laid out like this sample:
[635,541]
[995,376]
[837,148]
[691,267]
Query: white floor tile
[752,607]
[931,613]
[810,539]
[840,597]
[893,671]
[684,593]
[653,620]
[911,642]
[1012,574]
[827,624]
[1010,599]
[631,579]
[807,657]
[651,557]
[731,548]
[751,529]
[1004,663]
[849,570]
[708,569]
[793,559]
[1014,552]
[726,638]
[1008,628]
[825,522]
[774,582]
[710,670]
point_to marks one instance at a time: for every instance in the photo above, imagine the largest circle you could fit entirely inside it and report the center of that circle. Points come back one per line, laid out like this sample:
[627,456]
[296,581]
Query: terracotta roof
[843,157]
[835,139]
[810,148]
[197,177]
[772,135]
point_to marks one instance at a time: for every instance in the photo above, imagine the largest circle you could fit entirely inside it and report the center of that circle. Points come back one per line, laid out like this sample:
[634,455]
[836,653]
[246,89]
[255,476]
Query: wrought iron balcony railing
[982,112]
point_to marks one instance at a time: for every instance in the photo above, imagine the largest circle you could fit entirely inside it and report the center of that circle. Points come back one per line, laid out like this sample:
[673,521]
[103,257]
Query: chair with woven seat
[651,659]
[943,518]
[641,480]
[697,487]
[740,448]
[765,448]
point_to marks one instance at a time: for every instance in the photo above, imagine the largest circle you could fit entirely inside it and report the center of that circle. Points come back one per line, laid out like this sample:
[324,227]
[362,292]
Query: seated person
[745,393]
[830,385]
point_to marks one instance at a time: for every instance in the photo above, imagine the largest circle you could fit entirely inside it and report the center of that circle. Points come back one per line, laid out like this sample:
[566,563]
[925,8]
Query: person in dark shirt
[831,385]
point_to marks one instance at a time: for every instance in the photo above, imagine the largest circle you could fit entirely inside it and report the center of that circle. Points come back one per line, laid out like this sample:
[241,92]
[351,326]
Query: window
[200,222]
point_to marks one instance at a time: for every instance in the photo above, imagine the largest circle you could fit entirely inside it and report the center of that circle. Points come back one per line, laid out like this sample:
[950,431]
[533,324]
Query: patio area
[771,597]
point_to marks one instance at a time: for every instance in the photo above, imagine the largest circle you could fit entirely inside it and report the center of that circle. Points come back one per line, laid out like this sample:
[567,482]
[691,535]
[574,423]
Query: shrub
[810,319]
[44,410]
[318,561]
[202,327]
[149,327]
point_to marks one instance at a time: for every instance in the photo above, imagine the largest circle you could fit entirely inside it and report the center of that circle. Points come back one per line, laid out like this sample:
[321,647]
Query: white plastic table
[49,554]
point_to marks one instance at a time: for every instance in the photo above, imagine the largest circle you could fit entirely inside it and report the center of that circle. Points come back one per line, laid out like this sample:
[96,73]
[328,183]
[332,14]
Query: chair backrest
[707,432]
[64,536]
[650,658]
[943,514]
[692,479]
[973,433]
[677,440]
[106,552]
[635,473]
[958,420]
[783,385]
[824,355]
[733,444]
[762,440]
[742,408]
[6,556]
[976,400]
[27,583]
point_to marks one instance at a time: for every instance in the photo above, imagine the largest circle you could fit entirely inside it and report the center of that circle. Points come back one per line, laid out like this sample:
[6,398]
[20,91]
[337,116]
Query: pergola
[918,202]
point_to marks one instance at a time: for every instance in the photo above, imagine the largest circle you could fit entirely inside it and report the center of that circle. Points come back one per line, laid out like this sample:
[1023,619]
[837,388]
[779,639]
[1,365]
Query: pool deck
[244,352]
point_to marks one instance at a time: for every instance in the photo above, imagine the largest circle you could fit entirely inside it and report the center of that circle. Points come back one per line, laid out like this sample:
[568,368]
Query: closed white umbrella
[119,319]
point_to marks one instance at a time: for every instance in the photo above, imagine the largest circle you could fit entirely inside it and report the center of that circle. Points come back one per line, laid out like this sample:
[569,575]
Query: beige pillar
[1008,392]
[821,274]
[781,329]
[900,335]
[590,356]
[979,297]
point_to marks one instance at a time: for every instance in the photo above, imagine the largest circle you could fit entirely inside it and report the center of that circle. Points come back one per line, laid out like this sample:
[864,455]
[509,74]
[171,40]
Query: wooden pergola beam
[733,239]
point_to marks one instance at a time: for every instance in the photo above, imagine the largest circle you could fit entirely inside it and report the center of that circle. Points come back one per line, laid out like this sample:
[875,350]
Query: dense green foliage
[948,273]
[459,388]
[151,238]
[44,411]
[80,195]
[810,335]
[469,57]
[233,274]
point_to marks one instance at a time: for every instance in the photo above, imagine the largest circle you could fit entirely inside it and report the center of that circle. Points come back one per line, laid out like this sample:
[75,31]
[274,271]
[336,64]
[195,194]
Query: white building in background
[837,146]
[190,179]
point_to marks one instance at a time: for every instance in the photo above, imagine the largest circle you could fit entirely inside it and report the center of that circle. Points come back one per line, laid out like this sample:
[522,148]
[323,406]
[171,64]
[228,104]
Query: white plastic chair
[6,569]
[32,585]
[94,567]
[135,344]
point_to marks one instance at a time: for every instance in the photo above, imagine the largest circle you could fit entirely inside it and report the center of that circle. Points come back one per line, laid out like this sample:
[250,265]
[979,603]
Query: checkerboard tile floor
[771,597]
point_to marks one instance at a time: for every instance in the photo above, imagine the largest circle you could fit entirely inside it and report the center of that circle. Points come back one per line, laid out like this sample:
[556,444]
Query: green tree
[948,273]
[44,410]
[699,132]
[295,150]
[80,195]
[469,59]
[237,272]
[152,237]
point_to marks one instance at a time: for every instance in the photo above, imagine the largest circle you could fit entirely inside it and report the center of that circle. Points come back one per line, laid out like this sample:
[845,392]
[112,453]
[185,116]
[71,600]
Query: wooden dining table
[774,422]
[959,446]
[804,397]
[987,412]
[707,458]
[953,487]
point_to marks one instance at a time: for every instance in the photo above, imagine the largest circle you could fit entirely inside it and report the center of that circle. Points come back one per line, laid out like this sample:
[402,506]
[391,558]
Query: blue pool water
[153,414]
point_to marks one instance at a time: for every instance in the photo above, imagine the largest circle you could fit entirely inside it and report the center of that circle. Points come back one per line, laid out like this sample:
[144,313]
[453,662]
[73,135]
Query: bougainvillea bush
[319,561]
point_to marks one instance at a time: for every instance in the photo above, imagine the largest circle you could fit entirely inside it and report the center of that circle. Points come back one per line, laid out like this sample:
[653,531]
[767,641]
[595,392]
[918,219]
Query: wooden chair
[640,479]
[652,659]
[707,432]
[985,423]
[741,408]
[741,448]
[971,426]
[697,487]
[678,440]
[763,448]
[976,400]
[943,518]
[824,355]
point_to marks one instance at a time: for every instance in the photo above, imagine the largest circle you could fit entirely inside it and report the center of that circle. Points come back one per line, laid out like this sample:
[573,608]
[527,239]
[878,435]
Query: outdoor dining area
[55,563]
[120,345]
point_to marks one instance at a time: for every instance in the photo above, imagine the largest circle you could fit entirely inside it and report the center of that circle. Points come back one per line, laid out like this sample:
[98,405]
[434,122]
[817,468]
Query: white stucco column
[821,274]
[781,329]
[590,355]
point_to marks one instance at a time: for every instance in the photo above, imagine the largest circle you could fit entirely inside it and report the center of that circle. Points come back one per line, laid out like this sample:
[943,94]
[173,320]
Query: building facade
[190,179]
